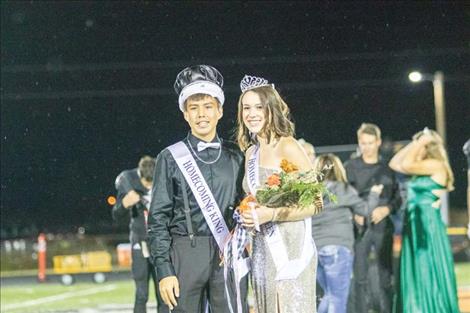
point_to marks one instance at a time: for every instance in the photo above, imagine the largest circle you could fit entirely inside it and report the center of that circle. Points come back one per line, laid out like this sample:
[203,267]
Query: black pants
[142,271]
[201,278]
[379,236]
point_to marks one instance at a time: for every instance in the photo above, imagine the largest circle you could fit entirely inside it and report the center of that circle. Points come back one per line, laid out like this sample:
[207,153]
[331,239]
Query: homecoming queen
[284,257]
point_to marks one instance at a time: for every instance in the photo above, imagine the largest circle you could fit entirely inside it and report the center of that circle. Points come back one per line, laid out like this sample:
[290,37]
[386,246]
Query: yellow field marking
[457,230]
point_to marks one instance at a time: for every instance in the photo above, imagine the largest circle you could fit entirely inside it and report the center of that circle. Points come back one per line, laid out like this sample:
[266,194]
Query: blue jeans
[334,276]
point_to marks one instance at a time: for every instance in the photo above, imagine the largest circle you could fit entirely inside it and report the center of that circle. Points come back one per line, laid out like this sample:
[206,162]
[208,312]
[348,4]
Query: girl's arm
[397,160]
[413,166]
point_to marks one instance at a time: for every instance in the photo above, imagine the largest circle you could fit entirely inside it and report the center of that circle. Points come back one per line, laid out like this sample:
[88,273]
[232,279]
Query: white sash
[202,193]
[286,269]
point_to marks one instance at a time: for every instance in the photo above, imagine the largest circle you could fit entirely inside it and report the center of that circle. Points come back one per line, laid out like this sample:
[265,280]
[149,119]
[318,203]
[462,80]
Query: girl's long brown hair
[278,122]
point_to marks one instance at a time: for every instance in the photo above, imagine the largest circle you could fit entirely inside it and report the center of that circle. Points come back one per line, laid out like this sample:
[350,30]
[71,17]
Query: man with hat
[196,184]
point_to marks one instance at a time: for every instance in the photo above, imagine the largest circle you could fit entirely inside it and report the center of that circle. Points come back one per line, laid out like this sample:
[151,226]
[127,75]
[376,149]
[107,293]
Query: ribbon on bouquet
[234,259]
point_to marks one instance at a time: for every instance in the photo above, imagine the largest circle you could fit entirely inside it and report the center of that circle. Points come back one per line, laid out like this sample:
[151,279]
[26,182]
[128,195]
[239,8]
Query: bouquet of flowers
[291,187]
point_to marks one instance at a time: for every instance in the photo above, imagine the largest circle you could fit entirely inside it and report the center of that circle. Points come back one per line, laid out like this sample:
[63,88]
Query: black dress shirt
[363,176]
[167,217]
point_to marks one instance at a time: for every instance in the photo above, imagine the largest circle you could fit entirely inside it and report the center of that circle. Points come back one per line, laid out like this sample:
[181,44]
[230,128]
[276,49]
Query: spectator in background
[427,278]
[333,233]
[363,172]
[133,200]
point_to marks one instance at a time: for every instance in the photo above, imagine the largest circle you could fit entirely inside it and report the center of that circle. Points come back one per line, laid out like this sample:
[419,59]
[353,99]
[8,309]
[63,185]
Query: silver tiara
[249,82]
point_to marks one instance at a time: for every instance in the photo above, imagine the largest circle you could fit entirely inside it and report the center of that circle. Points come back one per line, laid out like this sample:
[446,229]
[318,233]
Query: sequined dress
[287,296]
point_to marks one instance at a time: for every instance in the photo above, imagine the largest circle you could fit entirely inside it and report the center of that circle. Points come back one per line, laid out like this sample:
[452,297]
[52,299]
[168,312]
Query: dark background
[86,87]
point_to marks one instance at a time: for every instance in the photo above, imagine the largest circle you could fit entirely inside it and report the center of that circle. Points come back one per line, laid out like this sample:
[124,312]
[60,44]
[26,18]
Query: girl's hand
[425,139]
[264,214]
[248,220]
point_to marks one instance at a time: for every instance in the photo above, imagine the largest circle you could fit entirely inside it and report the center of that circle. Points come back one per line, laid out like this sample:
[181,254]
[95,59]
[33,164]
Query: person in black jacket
[133,199]
[375,230]
[197,182]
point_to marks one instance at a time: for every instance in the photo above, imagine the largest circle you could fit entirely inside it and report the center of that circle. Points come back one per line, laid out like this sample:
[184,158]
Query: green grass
[462,271]
[95,295]
[112,293]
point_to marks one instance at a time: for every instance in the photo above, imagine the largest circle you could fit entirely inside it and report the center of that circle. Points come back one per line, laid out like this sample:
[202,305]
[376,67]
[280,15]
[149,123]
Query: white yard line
[59,297]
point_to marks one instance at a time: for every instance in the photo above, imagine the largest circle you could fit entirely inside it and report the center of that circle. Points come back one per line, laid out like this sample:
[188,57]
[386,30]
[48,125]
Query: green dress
[427,278]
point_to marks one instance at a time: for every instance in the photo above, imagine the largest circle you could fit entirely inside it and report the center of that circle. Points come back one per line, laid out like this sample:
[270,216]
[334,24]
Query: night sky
[86,87]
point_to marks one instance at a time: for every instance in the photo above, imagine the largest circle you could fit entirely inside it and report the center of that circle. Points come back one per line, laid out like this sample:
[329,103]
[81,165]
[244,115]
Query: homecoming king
[197,183]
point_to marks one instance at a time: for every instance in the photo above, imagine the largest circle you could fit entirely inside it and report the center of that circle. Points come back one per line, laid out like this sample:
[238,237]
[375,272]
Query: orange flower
[288,166]
[245,204]
[274,180]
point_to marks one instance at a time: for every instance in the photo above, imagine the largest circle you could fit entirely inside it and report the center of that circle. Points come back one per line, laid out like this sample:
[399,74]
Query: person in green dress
[427,278]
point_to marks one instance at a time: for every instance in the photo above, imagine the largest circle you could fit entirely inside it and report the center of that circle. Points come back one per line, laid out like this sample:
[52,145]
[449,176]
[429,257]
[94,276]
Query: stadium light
[415,77]
[437,80]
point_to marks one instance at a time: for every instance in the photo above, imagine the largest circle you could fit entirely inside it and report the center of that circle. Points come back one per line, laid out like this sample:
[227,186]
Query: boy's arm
[160,215]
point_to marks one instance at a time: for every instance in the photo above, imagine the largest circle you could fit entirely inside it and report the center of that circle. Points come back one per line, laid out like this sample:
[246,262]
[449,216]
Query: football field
[117,296]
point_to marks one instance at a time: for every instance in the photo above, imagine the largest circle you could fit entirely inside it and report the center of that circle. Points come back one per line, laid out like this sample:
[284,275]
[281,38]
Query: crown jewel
[249,82]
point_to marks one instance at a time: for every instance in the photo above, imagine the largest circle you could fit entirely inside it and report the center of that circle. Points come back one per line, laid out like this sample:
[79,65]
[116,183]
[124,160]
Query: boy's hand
[169,290]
